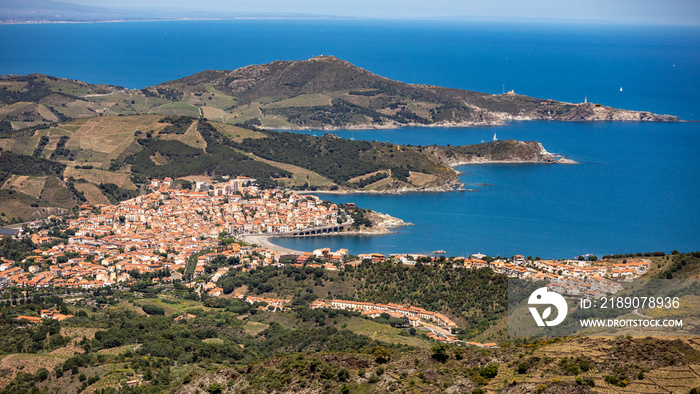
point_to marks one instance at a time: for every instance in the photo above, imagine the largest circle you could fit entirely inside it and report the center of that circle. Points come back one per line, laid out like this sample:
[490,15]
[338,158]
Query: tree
[343,374]
[440,352]
[41,374]
[490,371]
[381,354]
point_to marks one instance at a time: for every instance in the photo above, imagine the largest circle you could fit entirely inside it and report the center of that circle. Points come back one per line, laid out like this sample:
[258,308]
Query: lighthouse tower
[585,99]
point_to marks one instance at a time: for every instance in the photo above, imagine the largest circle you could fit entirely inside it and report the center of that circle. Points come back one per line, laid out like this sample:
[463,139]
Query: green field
[218,99]
[92,193]
[29,185]
[384,333]
[177,307]
[180,109]
[97,176]
[235,133]
[300,176]
[303,100]
[213,113]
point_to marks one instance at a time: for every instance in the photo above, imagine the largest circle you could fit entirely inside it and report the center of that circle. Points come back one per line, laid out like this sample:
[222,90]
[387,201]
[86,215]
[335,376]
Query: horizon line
[309,17]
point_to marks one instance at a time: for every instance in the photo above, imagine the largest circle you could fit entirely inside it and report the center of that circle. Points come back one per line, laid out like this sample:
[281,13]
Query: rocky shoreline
[554,160]
[389,126]
[535,153]
[583,112]
[448,187]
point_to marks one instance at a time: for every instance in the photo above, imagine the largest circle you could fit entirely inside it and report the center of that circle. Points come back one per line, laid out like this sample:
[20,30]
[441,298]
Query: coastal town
[173,234]
[324,197]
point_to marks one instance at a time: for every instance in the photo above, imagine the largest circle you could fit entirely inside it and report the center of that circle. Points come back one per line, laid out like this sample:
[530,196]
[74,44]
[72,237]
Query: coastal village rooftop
[159,232]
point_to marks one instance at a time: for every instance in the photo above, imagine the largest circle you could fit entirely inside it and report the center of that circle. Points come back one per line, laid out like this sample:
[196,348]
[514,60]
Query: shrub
[381,354]
[522,368]
[490,371]
[215,388]
[41,374]
[343,374]
[153,309]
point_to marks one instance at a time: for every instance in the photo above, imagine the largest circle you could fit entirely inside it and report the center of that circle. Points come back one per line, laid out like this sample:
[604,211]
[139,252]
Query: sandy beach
[263,240]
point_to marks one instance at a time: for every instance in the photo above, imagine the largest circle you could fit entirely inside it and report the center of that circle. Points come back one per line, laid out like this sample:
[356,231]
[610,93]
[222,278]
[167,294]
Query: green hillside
[322,92]
[228,345]
[107,158]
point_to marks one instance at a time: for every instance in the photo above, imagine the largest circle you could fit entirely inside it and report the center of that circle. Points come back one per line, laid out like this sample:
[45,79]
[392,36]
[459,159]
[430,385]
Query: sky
[683,12]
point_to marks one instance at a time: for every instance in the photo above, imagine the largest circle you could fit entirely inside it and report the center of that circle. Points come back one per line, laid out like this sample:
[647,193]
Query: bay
[635,190]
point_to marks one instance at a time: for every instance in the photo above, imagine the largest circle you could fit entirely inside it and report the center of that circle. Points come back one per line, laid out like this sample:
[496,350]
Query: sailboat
[494,137]
[620,88]
[353,137]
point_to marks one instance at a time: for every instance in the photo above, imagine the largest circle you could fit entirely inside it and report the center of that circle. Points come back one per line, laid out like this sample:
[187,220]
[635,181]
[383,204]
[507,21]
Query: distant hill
[323,92]
[33,11]
[326,92]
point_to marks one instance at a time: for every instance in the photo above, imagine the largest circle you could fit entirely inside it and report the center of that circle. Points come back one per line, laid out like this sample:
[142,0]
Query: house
[216,292]
[185,316]
[30,319]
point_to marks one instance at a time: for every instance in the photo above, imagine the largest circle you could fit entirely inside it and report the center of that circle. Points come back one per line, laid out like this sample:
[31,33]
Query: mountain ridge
[323,92]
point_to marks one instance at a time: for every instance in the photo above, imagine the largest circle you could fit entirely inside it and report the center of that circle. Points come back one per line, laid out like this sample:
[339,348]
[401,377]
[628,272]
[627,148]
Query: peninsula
[323,92]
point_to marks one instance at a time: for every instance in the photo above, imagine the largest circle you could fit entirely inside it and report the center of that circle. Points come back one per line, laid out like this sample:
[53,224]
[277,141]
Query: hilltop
[323,92]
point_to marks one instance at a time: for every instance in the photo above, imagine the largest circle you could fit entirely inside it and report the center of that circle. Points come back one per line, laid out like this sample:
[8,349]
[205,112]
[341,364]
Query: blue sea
[637,188]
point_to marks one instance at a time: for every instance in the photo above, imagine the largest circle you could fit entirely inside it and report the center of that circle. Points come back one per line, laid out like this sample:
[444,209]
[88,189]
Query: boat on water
[440,251]
[494,137]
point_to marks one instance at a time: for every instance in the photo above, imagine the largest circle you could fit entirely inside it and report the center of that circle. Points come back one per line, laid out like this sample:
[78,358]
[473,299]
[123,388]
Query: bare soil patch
[420,179]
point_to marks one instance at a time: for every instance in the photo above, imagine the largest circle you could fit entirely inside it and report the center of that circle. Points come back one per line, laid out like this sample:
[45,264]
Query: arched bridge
[320,230]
